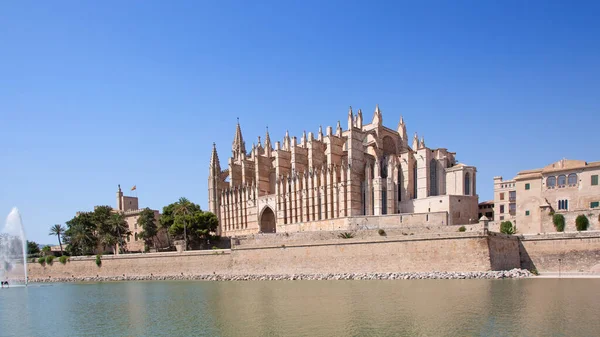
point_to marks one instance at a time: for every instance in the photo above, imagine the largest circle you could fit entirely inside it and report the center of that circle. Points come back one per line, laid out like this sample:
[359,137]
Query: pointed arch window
[467,183]
[433,188]
[399,183]
[415,181]
[384,167]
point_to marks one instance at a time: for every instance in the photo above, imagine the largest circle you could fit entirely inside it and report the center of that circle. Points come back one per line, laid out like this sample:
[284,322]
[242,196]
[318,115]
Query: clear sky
[99,93]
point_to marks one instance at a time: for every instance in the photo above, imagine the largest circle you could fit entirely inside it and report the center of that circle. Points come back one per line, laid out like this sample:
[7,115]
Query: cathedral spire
[377,118]
[320,135]
[338,129]
[402,131]
[239,146]
[268,145]
[422,143]
[286,141]
[303,139]
[215,166]
[415,143]
[350,119]
[359,119]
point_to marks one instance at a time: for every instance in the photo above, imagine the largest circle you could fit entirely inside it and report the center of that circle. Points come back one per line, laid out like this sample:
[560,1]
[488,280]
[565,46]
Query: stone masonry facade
[568,187]
[367,169]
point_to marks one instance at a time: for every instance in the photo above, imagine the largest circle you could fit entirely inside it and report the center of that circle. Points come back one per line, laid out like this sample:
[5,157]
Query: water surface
[530,307]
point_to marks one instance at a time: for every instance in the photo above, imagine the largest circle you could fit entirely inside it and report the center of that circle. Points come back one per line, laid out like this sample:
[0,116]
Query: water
[13,250]
[530,307]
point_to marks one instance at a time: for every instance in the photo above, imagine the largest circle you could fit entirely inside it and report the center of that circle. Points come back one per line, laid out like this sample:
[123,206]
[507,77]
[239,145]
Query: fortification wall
[504,251]
[437,219]
[577,251]
[359,231]
[434,252]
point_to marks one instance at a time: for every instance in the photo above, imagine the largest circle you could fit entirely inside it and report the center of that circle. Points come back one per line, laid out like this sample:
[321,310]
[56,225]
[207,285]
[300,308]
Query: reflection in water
[533,307]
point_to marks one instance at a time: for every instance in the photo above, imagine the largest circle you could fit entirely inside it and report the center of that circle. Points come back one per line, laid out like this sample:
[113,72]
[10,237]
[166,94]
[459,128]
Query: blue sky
[95,94]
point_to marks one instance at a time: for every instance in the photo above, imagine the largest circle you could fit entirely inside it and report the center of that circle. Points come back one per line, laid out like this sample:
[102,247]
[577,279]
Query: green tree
[166,220]
[186,220]
[58,230]
[33,247]
[46,250]
[184,210]
[507,227]
[81,235]
[147,222]
[582,222]
[559,222]
[112,229]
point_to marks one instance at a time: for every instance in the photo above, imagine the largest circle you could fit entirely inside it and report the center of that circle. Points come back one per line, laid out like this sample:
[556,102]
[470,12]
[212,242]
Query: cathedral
[367,170]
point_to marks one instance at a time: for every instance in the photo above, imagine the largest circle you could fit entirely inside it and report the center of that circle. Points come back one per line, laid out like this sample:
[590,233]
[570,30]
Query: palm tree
[119,230]
[58,230]
[184,207]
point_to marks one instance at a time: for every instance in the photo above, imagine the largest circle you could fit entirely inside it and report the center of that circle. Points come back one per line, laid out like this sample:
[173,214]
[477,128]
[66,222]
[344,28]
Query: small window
[594,204]
[562,180]
[572,179]
[551,182]
[527,213]
[501,196]
[563,204]
[501,208]
[595,180]
[527,186]
[502,217]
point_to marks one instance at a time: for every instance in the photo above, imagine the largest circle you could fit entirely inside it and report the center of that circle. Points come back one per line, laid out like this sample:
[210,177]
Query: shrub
[462,229]
[534,271]
[507,227]
[346,235]
[49,259]
[582,222]
[63,259]
[214,247]
[42,261]
[381,232]
[99,260]
[559,222]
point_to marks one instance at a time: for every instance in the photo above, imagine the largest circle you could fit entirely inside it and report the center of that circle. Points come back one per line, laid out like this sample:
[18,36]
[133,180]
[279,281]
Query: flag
[133,188]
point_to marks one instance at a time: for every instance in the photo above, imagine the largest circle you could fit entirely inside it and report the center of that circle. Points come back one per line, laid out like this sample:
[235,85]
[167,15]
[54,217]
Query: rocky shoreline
[514,273]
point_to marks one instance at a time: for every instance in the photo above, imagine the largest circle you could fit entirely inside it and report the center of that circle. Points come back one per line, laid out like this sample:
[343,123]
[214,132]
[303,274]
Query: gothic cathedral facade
[366,170]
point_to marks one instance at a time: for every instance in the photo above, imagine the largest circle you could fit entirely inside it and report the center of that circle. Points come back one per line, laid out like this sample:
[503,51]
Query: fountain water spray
[13,249]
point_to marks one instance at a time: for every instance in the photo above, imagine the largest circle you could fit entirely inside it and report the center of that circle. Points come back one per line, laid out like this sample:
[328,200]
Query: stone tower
[120,199]
[214,178]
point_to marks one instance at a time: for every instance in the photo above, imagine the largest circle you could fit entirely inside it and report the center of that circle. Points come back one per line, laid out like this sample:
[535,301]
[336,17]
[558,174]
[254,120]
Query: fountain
[13,250]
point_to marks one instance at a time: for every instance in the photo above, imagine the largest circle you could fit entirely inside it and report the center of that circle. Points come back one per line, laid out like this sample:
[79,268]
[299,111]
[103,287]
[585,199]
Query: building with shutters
[568,187]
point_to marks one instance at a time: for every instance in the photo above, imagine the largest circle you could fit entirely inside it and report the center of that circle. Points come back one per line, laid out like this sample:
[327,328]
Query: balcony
[513,213]
[512,199]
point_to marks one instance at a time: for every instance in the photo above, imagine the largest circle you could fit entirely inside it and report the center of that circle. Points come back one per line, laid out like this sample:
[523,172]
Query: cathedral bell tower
[214,182]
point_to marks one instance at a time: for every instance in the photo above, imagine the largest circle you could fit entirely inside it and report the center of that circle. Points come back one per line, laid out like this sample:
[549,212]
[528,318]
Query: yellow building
[568,187]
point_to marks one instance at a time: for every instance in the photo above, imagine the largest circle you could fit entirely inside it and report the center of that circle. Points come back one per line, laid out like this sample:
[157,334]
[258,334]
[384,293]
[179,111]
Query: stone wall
[368,222]
[577,251]
[570,216]
[504,251]
[359,232]
[361,254]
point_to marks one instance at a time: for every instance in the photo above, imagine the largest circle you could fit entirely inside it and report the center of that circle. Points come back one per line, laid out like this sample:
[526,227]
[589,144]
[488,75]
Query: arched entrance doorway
[267,221]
